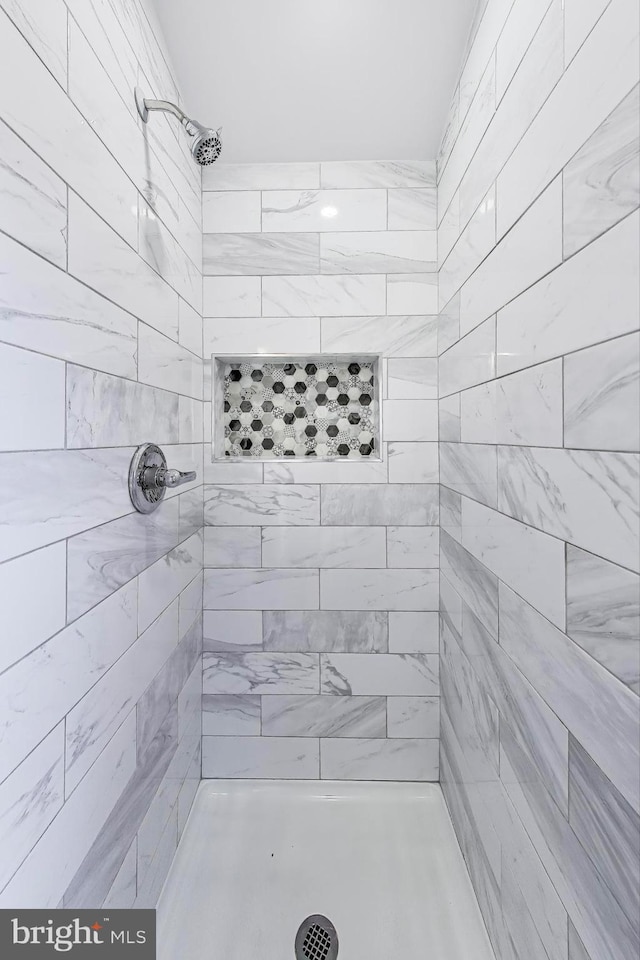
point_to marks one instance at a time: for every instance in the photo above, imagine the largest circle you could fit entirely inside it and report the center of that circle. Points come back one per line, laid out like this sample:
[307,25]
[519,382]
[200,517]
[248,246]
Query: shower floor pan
[380,860]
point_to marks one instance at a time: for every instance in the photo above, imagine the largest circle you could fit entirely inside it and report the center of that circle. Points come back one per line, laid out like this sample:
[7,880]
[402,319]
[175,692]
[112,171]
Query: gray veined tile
[326,631]
[108,556]
[449,419]
[451,513]
[106,411]
[412,547]
[34,199]
[236,211]
[305,470]
[474,582]
[324,547]
[472,246]
[262,176]
[164,580]
[29,800]
[608,829]
[412,379]
[412,717]
[324,716]
[449,325]
[413,293]
[324,210]
[602,396]
[264,758]
[232,547]
[389,174]
[470,361]
[597,709]
[402,336]
[249,589]
[576,947]
[367,759]
[412,209]
[406,504]
[405,675]
[42,509]
[123,889]
[40,425]
[231,715]
[164,363]
[354,295]
[470,469]
[411,462]
[260,254]
[262,505]
[60,316]
[410,420]
[588,498]
[603,613]
[234,630]
[601,181]
[402,251]
[231,296]
[413,632]
[379,589]
[288,673]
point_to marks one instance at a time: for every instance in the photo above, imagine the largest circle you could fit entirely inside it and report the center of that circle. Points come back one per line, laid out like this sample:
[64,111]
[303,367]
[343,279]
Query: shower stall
[319,484]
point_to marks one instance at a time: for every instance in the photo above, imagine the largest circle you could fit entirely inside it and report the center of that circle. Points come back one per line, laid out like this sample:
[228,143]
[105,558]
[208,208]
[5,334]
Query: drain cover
[316,939]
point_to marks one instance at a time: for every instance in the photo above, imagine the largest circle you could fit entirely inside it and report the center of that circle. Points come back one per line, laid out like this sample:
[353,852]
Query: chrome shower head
[206,144]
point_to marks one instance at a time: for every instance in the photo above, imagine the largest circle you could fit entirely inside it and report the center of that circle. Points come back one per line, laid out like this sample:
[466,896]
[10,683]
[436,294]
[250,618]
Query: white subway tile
[412,293]
[324,210]
[233,547]
[410,420]
[232,296]
[379,589]
[412,379]
[413,717]
[324,547]
[323,296]
[580,17]
[411,632]
[412,209]
[378,173]
[358,759]
[261,589]
[31,386]
[262,335]
[408,251]
[231,212]
[413,462]
[164,363]
[382,675]
[261,176]
[264,758]
[412,547]
[393,336]
[470,361]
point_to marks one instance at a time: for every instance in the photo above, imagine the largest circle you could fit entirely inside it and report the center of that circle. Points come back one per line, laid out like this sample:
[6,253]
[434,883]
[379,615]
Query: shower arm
[167,107]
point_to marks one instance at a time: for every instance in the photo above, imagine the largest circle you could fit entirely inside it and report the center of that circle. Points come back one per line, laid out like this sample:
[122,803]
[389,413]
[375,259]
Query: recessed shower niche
[276,407]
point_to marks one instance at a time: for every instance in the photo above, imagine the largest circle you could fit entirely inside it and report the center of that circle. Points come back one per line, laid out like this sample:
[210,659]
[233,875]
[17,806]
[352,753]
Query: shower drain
[316,939]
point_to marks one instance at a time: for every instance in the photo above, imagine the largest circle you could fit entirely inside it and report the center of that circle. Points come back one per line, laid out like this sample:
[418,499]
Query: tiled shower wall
[321,579]
[100,350]
[538,342]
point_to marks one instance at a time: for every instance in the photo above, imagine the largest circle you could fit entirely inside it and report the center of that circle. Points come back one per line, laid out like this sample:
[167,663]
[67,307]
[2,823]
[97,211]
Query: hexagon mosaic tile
[301,408]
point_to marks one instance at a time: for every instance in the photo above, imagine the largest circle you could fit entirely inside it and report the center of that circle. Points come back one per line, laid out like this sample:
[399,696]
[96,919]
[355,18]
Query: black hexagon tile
[323,408]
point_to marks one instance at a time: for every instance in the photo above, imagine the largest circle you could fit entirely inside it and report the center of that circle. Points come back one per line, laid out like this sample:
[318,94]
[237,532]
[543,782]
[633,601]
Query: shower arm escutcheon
[150,478]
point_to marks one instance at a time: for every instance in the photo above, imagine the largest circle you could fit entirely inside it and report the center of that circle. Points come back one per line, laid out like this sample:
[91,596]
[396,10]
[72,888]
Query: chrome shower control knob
[149,478]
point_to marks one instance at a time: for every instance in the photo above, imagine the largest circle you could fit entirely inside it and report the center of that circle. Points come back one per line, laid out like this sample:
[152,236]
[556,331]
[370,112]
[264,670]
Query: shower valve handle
[174,478]
[150,478]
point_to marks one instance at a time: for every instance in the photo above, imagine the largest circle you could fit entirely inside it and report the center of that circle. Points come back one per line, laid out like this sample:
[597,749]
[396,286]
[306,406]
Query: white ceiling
[319,79]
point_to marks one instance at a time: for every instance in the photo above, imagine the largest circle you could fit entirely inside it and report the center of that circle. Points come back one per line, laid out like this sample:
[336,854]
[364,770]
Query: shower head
[206,144]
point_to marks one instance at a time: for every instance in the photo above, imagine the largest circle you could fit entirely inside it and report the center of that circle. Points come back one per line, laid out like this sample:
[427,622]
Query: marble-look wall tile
[451,513]
[261,176]
[288,589]
[413,632]
[449,324]
[379,589]
[477,586]
[161,583]
[261,254]
[598,710]
[262,335]
[529,561]
[577,949]
[378,173]
[326,631]
[607,828]
[233,630]
[106,411]
[601,181]
[308,471]
[412,293]
[34,199]
[449,420]
[592,297]
[30,798]
[602,396]
[231,296]
[474,243]
[164,363]
[231,715]
[324,547]
[410,420]
[233,547]
[409,379]
[580,19]
[40,425]
[324,210]
[584,497]
[102,260]
[603,613]
[404,504]
[123,889]
[44,309]
[323,716]
[470,361]
[412,717]
[241,473]
[415,760]
[470,469]
[265,758]
[408,251]
[393,675]
[93,721]
[108,556]
[323,296]
[231,212]
[46,32]
[409,547]
[412,209]
[413,462]
[263,504]
[403,336]
[45,874]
